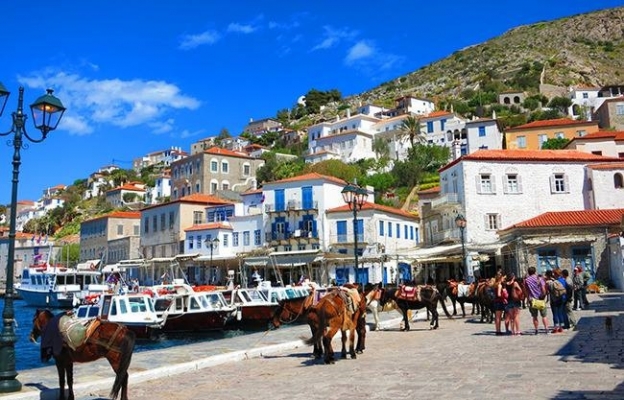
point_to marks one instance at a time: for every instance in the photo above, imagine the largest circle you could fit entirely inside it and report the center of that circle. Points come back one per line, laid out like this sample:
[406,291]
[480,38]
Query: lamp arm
[33,140]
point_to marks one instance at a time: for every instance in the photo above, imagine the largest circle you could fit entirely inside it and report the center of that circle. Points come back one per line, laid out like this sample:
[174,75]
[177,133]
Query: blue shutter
[280,203]
[306,193]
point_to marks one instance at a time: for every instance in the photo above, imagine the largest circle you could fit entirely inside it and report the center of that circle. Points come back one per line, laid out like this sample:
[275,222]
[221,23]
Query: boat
[134,310]
[45,285]
[255,306]
[185,309]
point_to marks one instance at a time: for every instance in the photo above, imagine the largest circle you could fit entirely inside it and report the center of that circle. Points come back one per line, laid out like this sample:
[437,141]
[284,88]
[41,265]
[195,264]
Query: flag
[39,239]
[32,239]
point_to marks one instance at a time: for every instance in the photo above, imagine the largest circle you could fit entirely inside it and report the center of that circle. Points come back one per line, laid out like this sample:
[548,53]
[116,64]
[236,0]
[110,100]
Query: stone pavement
[462,359]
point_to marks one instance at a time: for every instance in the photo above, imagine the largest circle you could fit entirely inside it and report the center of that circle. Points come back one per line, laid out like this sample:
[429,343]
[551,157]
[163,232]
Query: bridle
[304,306]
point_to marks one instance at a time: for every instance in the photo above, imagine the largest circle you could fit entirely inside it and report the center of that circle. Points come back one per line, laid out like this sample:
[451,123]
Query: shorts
[498,306]
[534,312]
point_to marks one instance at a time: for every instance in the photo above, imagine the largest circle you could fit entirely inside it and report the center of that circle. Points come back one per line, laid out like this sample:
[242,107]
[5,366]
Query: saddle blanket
[76,332]
[463,290]
[411,293]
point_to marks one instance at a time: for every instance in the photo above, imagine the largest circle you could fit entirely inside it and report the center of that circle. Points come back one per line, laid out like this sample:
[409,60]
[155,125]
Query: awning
[113,268]
[137,263]
[256,261]
[294,258]
[185,257]
[544,241]
[88,265]
[161,259]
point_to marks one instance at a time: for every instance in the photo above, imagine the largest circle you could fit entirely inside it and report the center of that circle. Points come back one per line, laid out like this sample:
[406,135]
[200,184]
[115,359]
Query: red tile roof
[551,123]
[615,135]
[532,156]
[377,207]
[210,225]
[203,198]
[573,218]
[251,191]
[607,166]
[435,189]
[438,113]
[126,187]
[225,152]
[309,177]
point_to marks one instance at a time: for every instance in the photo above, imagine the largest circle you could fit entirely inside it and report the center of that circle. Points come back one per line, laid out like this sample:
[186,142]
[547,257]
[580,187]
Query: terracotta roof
[551,123]
[377,207]
[210,225]
[126,187]
[607,166]
[118,214]
[251,191]
[532,156]
[573,218]
[309,177]
[225,152]
[437,113]
[203,198]
[435,189]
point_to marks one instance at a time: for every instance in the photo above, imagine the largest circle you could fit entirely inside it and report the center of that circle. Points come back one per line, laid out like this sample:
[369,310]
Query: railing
[445,236]
[445,199]
[292,205]
[296,234]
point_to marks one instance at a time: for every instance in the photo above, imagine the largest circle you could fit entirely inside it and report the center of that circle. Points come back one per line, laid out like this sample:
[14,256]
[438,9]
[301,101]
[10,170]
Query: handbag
[538,304]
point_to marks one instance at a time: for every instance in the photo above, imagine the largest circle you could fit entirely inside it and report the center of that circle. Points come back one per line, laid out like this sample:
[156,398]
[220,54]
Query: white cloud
[91,102]
[192,41]
[160,127]
[334,36]
[240,28]
[187,134]
[359,51]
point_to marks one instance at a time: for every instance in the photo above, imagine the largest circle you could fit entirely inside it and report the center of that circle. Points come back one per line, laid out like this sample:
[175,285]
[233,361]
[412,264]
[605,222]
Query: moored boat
[45,285]
[186,310]
[134,310]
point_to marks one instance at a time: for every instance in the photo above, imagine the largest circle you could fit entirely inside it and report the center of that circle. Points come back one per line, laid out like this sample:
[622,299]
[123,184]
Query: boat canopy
[88,265]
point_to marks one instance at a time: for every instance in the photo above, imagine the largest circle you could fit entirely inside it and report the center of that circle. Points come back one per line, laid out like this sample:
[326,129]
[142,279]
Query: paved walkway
[463,359]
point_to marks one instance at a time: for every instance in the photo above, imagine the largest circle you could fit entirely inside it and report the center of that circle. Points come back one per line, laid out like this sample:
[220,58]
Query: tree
[68,255]
[335,168]
[223,134]
[555,144]
[560,103]
[411,129]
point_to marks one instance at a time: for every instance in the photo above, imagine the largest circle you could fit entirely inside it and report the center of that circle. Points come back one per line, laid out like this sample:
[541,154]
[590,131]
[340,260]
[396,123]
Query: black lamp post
[460,222]
[47,111]
[355,196]
[213,244]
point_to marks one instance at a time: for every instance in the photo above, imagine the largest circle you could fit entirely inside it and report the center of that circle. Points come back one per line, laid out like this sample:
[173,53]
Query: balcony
[298,234]
[292,206]
[446,236]
[446,200]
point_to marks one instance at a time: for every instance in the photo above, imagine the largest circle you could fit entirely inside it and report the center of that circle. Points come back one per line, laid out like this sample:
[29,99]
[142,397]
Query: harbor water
[27,354]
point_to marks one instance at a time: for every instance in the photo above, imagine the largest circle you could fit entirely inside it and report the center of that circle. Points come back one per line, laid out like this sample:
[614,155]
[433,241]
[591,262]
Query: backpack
[558,291]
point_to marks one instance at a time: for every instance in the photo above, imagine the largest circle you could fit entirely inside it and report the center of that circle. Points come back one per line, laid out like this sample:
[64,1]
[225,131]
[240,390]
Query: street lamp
[355,196]
[47,111]
[460,222]
[213,244]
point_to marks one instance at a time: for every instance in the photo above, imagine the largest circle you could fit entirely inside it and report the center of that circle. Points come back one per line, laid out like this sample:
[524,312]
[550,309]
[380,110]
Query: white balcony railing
[445,200]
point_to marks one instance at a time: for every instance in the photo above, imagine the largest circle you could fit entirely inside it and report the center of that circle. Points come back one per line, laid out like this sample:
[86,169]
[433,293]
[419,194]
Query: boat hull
[197,322]
[46,299]
[252,316]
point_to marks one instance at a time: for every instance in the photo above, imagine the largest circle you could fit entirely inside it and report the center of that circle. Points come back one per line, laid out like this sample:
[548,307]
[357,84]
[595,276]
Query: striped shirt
[534,285]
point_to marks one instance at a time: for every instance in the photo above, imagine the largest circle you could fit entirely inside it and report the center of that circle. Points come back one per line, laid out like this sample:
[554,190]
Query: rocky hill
[585,49]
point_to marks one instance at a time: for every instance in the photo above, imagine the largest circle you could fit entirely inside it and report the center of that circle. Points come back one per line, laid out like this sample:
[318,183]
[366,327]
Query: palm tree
[411,129]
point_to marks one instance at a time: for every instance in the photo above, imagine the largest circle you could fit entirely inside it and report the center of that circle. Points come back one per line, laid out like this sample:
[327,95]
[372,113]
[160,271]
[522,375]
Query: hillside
[585,49]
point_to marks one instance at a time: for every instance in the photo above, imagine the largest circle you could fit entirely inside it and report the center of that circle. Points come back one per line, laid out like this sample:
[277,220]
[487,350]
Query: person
[577,282]
[535,288]
[570,318]
[586,277]
[500,301]
[512,310]
[556,302]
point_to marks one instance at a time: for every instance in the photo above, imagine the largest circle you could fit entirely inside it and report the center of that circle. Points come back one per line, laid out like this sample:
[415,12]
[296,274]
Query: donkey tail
[318,330]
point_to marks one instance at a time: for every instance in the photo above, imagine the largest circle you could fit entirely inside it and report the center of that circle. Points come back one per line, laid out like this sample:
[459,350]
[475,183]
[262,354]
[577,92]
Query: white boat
[134,310]
[185,309]
[45,285]
[255,306]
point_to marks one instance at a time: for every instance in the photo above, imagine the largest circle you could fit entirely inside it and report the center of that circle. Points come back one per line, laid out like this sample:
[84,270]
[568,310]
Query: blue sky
[142,76]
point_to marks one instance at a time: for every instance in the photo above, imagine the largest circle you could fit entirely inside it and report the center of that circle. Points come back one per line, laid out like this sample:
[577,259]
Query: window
[381,228]
[171,219]
[619,109]
[482,131]
[429,126]
[492,222]
[225,167]
[120,229]
[512,183]
[546,260]
[542,138]
[214,187]
[225,242]
[246,238]
[485,184]
[389,229]
[190,242]
[341,231]
[442,124]
[163,224]
[398,230]
[618,183]
[257,237]
[225,186]
[559,183]
[154,223]
[521,142]
[597,152]
[146,225]
[198,217]
[235,239]
[560,135]
[406,231]
[214,166]
[585,95]
[581,133]
[246,170]
[198,242]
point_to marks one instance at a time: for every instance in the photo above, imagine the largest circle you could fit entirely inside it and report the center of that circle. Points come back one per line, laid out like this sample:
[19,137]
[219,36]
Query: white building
[161,189]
